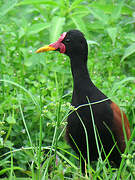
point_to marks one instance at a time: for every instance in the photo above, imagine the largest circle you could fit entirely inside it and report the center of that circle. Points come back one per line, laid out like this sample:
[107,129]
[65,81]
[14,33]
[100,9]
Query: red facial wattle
[54,46]
[59,45]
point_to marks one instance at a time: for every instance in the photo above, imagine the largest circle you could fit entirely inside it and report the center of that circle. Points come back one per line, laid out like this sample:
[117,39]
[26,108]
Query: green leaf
[81,11]
[75,4]
[130,50]
[93,42]
[112,32]
[130,36]
[63,4]
[80,24]
[122,83]
[96,26]
[35,28]
[37,2]
[9,169]
[21,87]
[117,10]
[56,27]
[111,8]
[7,6]
[11,120]
[126,10]
[100,15]
[34,60]
[106,7]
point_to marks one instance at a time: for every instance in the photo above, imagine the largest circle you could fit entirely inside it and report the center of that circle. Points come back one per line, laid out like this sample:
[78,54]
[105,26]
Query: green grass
[35,89]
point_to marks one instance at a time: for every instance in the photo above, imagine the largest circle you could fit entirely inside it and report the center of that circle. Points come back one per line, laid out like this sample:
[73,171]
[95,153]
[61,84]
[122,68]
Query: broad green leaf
[37,2]
[7,6]
[56,27]
[112,32]
[80,24]
[35,28]
[100,15]
[117,10]
[130,50]
[130,36]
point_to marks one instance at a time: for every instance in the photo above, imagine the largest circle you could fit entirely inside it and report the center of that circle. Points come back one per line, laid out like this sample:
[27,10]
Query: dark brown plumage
[108,117]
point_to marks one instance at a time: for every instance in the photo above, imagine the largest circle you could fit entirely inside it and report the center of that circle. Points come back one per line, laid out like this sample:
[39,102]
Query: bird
[96,125]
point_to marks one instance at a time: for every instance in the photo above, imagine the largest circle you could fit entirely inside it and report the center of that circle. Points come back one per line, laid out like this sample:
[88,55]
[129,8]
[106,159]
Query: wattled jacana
[109,120]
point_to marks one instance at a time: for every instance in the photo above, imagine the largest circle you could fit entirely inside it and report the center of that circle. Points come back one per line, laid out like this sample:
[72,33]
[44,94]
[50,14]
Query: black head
[71,43]
[75,44]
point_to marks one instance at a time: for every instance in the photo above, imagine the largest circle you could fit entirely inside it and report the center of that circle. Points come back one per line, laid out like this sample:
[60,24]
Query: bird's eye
[67,40]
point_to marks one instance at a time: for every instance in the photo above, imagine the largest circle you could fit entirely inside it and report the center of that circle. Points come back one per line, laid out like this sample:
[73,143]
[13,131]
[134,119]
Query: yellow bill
[45,48]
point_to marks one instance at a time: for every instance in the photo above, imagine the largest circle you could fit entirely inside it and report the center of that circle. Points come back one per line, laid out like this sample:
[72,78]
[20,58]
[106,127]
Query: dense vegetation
[35,90]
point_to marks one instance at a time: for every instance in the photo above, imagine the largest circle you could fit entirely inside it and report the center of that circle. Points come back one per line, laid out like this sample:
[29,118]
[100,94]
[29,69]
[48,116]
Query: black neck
[79,68]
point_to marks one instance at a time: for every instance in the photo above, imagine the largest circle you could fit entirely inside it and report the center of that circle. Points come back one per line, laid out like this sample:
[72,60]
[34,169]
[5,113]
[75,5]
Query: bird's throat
[79,69]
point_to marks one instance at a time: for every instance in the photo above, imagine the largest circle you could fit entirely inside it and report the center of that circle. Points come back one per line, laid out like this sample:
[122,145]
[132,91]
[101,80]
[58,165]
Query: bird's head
[71,43]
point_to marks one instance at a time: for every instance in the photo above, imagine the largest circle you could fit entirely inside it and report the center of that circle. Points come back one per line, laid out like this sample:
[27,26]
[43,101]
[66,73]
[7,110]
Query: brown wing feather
[117,126]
